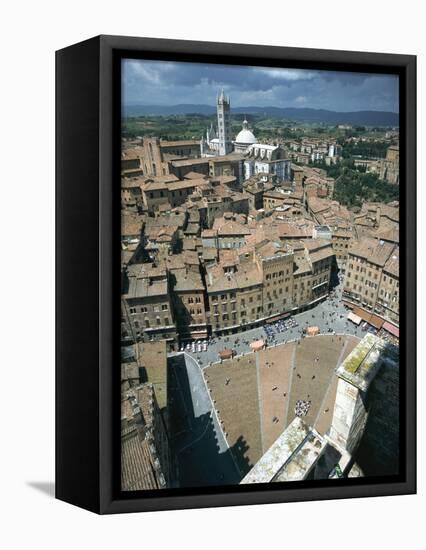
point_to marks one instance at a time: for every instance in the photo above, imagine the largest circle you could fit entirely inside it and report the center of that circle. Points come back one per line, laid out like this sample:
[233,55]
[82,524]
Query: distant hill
[368,118]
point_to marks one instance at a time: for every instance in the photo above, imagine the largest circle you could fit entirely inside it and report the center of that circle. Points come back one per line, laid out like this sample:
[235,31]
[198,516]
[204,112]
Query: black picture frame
[87,282]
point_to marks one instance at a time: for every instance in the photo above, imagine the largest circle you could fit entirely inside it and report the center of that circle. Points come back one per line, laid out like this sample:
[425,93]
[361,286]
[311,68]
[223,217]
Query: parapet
[362,364]
[290,458]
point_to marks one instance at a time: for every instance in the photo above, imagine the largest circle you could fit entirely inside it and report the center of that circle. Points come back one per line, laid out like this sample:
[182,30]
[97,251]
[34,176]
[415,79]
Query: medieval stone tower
[223,106]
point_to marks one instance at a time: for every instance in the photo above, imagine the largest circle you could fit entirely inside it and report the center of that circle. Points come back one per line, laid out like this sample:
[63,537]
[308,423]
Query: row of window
[148,322]
[276,274]
[144,309]
[178,192]
[197,300]
[280,291]
[223,297]
[388,295]
[192,311]
[384,279]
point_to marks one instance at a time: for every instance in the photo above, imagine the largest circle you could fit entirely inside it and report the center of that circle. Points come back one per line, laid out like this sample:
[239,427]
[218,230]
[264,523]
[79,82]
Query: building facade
[147,312]
[372,277]
[253,285]
[270,160]
[189,304]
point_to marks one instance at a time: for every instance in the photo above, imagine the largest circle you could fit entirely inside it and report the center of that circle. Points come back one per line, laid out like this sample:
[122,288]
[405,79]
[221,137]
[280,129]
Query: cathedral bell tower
[223,106]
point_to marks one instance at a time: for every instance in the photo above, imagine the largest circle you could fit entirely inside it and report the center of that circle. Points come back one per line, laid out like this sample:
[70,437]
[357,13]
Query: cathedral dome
[245,137]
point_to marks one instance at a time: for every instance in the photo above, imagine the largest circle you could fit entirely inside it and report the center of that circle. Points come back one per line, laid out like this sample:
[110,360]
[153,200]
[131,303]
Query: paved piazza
[249,400]
[256,394]
[275,371]
[234,390]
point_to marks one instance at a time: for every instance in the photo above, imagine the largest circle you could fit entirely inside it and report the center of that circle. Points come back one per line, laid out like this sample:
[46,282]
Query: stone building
[266,280]
[167,191]
[243,157]
[322,187]
[327,212]
[189,303]
[362,438]
[227,165]
[341,237]
[387,303]
[155,192]
[297,175]
[161,241]
[275,198]
[389,167]
[179,191]
[214,200]
[275,261]
[227,232]
[372,277]
[131,229]
[375,217]
[255,188]
[146,305]
[270,160]
[152,157]
[223,124]
[182,167]
[218,142]
[234,294]
[356,375]
[131,193]
[131,161]
[314,264]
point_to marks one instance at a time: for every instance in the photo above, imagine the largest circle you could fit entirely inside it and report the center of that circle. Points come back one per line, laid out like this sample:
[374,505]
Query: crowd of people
[302,407]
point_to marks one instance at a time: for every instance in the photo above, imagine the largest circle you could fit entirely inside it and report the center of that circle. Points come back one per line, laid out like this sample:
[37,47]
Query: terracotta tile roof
[137,468]
[194,175]
[230,228]
[132,153]
[144,290]
[154,186]
[162,233]
[392,264]
[227,158]
[318,205]
[179,143]
[292,230]
[321,254]
[387,234]
[373,250]
[131,183]
[131,224]
[185,184]
[188,281]
[246,275]
[208,233]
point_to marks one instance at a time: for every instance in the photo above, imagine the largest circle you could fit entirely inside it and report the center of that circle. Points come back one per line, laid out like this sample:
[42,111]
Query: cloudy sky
[170,83]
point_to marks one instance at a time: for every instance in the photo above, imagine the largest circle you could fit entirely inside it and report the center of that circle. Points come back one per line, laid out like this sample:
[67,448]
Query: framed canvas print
[236,279]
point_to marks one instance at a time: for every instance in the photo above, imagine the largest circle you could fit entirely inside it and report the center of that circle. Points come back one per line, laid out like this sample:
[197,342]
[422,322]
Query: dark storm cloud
[167,83]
